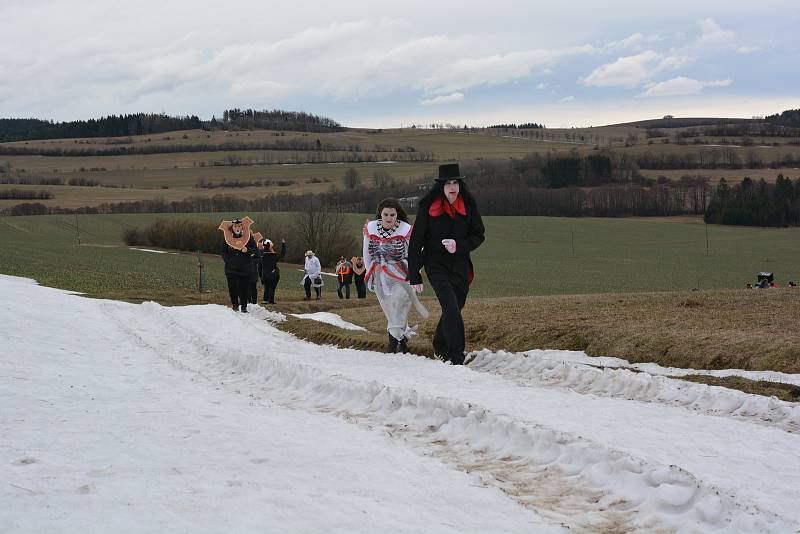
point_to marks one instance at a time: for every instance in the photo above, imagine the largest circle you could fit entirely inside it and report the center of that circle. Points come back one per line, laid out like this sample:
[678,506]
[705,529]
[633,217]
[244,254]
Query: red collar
[441,205]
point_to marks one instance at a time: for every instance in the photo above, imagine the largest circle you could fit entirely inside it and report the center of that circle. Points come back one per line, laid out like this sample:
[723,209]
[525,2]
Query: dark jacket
[269,262]
[425,245]
[344,272]
[238,262]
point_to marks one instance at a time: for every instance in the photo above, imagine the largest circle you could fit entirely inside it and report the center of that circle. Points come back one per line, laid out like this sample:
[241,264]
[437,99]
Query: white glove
[449,245]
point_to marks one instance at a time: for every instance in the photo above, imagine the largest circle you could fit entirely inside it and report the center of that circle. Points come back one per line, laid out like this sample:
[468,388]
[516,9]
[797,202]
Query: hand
[417,287]
[283,240]
[449,245]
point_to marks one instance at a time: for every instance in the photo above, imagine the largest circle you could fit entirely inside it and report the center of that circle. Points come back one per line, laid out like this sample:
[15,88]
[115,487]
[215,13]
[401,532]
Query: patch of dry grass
[745,329]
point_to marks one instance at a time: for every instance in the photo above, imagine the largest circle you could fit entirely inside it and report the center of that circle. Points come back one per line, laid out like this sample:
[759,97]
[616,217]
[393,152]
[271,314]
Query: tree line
[251,119]
[751,203]
[289,145]
[111,126]
[25,194]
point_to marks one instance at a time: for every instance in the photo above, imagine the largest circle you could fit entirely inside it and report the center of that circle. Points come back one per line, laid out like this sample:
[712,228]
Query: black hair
[395,204]
[437,191]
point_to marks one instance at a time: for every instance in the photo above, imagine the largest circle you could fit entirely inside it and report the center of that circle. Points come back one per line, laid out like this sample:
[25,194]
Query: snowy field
[117,417]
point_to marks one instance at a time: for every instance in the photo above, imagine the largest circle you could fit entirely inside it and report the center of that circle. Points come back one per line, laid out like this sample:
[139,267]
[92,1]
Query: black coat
[269,262]
[425,245]
[238,262]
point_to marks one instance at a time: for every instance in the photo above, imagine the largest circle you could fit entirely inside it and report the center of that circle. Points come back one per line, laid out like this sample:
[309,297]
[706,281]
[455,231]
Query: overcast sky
[383,64]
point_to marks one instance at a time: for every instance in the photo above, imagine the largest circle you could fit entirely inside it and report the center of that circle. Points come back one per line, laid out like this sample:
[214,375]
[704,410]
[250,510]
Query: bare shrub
[324,231]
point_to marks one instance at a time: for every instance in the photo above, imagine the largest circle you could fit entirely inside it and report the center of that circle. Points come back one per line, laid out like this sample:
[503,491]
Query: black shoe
[234,307]
[456,359]
[392,347]
[244,310]
[403,346]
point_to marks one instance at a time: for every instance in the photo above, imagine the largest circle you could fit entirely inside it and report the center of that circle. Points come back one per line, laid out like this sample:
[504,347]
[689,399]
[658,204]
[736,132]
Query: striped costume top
[385,252]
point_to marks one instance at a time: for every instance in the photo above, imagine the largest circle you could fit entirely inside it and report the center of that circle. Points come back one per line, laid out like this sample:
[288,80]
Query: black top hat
[449,171]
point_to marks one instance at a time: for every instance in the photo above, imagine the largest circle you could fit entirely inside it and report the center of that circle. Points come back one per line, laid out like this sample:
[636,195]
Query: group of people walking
[247,260]
[347,272]
[448,227]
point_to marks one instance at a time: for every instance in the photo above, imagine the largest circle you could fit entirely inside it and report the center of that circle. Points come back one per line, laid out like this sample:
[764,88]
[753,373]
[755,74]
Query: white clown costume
[386,261]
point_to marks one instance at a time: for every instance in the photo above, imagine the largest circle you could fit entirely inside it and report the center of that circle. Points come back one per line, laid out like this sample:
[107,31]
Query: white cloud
[463,73]
[634,42]
[443,99]
[630,71]
[681,86]
[626,71]
[713,34]
[567,99]
[542,86]
[747,49]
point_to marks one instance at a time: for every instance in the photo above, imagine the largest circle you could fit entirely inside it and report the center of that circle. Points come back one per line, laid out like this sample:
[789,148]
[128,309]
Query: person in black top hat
[447,228]
[238,267]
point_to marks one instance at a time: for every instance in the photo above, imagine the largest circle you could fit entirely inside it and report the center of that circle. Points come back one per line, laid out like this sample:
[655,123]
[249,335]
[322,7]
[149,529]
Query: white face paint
[388,218]
[451,189]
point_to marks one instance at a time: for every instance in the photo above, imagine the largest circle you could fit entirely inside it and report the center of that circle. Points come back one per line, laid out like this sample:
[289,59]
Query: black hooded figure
[447,228]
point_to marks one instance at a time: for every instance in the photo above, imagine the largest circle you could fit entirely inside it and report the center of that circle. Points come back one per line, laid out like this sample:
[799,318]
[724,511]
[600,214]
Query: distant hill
[685,122]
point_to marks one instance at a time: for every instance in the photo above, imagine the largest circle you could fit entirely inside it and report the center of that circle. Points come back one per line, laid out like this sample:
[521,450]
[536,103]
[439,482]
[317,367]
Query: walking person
[237,251]
[447,228]
[255,273]
[344,275]
[270,273]
[385,258]
[359,270]
[313,276]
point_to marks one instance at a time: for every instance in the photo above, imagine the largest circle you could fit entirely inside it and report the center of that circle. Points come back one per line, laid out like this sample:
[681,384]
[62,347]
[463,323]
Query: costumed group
[447,228]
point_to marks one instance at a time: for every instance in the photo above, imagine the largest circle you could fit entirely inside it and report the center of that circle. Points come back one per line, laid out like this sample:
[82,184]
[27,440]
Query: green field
[522,256]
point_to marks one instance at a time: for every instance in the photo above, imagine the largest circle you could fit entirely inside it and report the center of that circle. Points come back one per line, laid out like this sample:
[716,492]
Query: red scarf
[441,205]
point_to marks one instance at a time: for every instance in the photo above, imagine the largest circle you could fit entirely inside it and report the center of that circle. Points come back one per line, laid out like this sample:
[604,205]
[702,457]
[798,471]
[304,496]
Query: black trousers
[239,289]
[346,287]
[307,286]
[252,291]
[270,284]
[451,288]
[361,289]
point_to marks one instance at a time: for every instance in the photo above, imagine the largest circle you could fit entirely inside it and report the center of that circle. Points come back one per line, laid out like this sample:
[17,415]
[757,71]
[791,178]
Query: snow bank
[328,318]
[543,369]
[589,462]
[151,250]
[655,369]
[564,477]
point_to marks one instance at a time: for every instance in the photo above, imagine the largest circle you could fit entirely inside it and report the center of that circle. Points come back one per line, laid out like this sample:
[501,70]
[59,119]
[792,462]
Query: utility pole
[200,274]
[77,230]
[572,239]
[706,237]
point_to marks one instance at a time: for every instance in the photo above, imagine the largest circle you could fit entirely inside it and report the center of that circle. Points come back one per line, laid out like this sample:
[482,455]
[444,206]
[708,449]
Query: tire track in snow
[566,479]
[540,370]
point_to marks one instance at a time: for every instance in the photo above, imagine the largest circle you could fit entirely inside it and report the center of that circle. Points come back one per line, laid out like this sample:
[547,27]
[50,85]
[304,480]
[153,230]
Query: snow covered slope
[133,418]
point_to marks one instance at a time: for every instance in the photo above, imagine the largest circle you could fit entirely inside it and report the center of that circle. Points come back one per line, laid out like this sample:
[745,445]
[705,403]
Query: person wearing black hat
[238,267]
[447,228]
